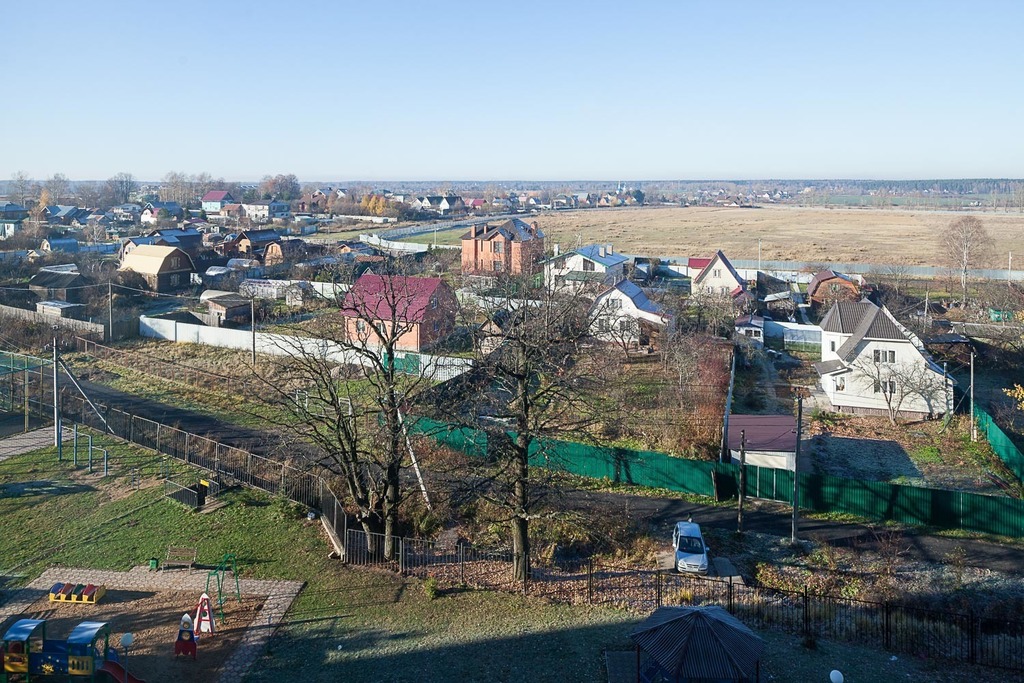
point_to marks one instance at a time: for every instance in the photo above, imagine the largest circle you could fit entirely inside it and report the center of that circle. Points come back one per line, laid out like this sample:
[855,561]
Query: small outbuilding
[770,440]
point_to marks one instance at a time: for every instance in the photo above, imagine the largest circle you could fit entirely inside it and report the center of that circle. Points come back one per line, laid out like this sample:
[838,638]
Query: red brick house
[419,310]
[513,247]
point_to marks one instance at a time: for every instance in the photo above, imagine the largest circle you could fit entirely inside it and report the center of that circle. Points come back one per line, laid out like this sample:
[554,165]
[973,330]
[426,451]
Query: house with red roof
[215,200]
[417,312]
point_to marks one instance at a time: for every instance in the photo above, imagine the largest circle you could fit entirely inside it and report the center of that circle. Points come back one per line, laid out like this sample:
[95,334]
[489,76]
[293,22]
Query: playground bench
[180,557]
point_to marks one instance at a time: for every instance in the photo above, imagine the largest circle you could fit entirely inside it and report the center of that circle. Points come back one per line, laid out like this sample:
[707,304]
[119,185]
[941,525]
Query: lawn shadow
[42,487]
[866,459]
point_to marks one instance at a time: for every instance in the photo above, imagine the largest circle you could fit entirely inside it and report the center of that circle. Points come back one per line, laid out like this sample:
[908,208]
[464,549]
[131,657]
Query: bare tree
[346,388]
[537,383]
[89,194]
[22,186]
[900,382]
[59,187]
[121,187]
[965,242]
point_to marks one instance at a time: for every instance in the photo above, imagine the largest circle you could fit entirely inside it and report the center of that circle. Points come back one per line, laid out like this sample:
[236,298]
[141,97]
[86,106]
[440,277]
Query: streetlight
[836,676]
[127,639]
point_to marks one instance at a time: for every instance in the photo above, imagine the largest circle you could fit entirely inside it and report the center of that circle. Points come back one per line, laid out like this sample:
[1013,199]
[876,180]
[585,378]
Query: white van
[690,550]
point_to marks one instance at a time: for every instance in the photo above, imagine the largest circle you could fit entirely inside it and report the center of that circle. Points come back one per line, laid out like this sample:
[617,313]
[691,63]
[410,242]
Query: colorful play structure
[218,576]
[186,642]
[85,656]
[76,592]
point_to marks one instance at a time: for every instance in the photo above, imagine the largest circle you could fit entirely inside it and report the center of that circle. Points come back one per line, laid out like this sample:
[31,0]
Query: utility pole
[110,312]
[56,403]
[974,425]
[796,467]
[252,319]
[759,254]
[743,480]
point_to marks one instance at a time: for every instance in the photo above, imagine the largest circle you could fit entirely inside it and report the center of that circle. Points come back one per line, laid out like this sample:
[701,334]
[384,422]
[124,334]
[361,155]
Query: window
[588,265]
[176,262]
[175,280]
[498,246]
[717,272]
[614,304]
[892,387]
[624,325]
[832,346]
[602,324]
[433,302]
[840,384]
[884,356]
[878,387]
[437,326]
[885,386]
[833,288]
[497,266]
[360,326]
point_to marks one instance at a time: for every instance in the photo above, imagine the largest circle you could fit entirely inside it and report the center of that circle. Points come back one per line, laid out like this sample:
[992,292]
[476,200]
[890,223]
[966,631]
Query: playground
[150,604]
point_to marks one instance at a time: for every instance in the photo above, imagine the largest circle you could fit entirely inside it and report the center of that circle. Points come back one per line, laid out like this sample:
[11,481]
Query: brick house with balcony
[513,247]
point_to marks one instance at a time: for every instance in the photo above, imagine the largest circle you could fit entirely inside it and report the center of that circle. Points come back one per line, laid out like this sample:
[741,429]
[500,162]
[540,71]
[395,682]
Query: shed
[696,644]
[60,309]
[770,440]
[229,307]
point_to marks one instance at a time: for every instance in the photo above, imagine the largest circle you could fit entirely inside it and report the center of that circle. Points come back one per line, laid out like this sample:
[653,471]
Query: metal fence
[1001,443]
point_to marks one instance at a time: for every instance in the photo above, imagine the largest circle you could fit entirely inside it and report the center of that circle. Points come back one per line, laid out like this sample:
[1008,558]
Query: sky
[482,90]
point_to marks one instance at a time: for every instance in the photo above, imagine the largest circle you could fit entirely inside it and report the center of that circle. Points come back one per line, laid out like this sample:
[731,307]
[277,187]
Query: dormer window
[588,265]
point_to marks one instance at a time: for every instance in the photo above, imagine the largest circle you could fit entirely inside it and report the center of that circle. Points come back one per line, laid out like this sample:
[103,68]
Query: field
[786,233]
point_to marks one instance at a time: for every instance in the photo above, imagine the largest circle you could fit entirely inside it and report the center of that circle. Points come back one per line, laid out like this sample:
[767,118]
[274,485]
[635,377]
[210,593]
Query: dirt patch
[922,453]
[153,618]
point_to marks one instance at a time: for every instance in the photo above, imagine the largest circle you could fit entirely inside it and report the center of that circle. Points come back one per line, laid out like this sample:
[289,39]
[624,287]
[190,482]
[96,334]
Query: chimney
[600,251]
[610,250]
[558,249]
[533,227]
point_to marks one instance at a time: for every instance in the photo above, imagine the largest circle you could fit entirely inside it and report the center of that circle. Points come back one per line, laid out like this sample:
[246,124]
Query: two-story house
[871,364]
[11,217]
[151,213]
[828,286]
[513,247]
[718,277]
[163,268]
[265,210]
[417,311]
[623,314]
[215,200]
[594,264]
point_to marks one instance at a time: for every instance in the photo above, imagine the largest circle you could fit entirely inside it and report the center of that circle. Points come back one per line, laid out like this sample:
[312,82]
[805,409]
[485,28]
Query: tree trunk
[521,505]
[373,530]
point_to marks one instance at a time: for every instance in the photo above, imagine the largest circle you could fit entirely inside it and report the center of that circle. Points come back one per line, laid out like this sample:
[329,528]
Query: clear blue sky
[524,90]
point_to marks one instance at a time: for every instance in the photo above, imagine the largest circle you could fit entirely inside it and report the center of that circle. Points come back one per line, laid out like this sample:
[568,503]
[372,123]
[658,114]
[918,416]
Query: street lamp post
[126,641]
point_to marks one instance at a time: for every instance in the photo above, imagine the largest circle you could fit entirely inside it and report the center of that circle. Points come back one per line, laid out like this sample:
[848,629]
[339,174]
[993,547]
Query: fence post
[282,481]
[729,590]
[106,469]
[807,615]
[590,582]
[90,454]
[462,563]
[158,438]
[74,447]
[131,428]
[401,557]
[973,638]
[887,630]
[657,583]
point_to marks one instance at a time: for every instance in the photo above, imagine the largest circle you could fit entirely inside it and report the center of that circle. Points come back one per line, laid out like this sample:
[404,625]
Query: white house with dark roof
[719,277]
[215,200]
[595,264]
[623,314]
[871,364]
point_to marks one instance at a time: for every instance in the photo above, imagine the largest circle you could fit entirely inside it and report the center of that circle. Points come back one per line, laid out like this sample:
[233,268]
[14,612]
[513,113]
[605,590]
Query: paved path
[29,441]
[279,597]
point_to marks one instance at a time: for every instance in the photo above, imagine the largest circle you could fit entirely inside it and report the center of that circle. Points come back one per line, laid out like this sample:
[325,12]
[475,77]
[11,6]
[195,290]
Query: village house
[720,278]
[513,247]
[11,218]
[284,252]
[251,242]
[164,269]
[67,245]
[58,284]
[189,239]
[828,286]
[595,264]
[873,365]
[624,315]
[419,310]
[265,210]
[215,200]
[151,213]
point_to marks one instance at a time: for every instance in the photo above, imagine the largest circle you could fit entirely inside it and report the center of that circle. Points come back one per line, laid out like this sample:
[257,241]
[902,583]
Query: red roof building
[419,311]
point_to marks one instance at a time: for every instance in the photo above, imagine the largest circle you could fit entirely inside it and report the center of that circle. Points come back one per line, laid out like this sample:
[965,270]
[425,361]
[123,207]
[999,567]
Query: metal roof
[23,629]
[699,643]
[87,631]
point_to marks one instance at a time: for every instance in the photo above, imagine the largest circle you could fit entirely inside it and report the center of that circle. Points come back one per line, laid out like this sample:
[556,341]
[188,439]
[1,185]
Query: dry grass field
[786,233]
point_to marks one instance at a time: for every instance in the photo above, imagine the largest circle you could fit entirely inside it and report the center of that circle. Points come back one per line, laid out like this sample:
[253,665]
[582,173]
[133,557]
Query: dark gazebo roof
[700,643]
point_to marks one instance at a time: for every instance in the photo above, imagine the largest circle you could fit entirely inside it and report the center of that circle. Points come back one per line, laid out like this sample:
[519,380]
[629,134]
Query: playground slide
[116,673]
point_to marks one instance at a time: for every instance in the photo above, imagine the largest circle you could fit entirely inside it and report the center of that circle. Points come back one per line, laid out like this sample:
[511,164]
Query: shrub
[430,588]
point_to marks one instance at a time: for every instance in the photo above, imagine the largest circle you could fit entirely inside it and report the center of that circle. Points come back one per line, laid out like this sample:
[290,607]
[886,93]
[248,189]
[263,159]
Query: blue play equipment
[85,655]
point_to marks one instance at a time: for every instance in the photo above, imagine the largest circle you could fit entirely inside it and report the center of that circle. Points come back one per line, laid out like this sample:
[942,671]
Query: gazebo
[696,645]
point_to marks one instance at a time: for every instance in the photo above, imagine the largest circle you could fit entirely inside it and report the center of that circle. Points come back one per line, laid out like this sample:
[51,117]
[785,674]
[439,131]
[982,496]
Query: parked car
[690,549]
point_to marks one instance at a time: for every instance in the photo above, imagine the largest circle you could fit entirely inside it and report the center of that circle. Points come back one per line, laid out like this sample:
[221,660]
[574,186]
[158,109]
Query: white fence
[438,368]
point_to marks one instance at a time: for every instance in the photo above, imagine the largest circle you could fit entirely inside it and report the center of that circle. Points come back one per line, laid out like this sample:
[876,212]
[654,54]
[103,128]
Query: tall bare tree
[534,380]
[121,187]
[59,187]
[22,187]
[965,241]
[347,385]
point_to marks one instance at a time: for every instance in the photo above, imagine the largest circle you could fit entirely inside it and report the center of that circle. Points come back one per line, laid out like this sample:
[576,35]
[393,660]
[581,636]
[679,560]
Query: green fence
[872,500]
[1001,443]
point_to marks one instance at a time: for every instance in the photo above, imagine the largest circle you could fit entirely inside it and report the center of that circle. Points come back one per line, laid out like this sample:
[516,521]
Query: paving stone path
[279,597]
[30,441]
